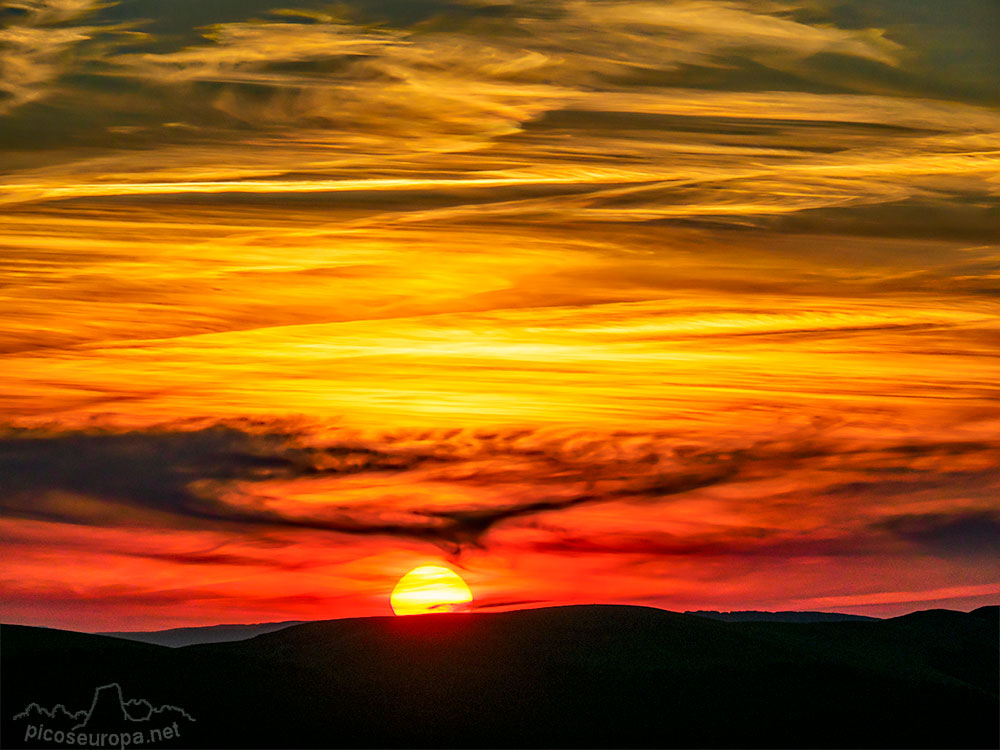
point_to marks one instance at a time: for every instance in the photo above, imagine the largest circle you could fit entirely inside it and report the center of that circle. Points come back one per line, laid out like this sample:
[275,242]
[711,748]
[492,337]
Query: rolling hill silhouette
[577,676]
[209,634]
[751,615]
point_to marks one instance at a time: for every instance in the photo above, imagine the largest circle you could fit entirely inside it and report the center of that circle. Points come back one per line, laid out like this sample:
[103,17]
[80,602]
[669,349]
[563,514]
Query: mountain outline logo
[111,721]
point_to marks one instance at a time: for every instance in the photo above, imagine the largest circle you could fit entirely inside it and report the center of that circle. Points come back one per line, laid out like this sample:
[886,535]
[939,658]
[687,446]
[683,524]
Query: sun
[429,588]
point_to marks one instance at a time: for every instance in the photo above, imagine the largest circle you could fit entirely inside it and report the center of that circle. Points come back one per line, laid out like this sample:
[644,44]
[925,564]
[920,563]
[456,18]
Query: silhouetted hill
[581,676]
[943,618]
[756,616]
[989,611]
[175,637]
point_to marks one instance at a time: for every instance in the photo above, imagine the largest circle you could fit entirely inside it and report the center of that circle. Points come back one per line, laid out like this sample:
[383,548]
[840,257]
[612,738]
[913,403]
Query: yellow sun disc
[430,588]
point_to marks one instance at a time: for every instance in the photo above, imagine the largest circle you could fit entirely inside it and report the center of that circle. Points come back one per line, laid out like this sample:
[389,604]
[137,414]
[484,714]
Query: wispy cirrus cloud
[379,90]
[36,47]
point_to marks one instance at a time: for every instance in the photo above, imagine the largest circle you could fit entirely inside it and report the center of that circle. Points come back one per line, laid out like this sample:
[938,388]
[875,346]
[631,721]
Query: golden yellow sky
[690,303]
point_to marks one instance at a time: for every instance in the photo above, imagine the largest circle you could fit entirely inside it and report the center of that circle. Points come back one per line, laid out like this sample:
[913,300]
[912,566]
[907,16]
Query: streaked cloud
[37,47]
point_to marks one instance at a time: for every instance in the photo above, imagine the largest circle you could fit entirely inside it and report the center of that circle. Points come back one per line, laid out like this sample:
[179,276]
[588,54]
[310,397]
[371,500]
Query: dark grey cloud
[480,604]
[178,477]
[128,475]
[951,46]
[743,544]
[468,526]
[961,216]
[217,558]
[963,532]
[188,478]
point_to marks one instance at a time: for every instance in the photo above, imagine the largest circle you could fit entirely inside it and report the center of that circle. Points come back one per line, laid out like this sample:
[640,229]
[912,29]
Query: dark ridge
[990,612]
[176,637]
[757,616]
[576,676]
[932,617]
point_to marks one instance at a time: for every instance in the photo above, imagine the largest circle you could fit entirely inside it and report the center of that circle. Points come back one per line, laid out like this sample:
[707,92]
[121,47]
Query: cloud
[648,34]
[217,558]
[385,83]
[915,597]
[480,604]
[141,478]
[948,533]
[227,477]
[138,477]
[469,526]
[447,98]
[35,51]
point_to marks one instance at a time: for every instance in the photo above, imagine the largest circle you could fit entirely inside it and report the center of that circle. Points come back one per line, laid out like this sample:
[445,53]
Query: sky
[683,303]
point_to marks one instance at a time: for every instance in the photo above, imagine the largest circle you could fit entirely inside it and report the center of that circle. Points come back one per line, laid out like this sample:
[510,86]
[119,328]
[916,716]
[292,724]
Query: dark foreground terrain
[585,676]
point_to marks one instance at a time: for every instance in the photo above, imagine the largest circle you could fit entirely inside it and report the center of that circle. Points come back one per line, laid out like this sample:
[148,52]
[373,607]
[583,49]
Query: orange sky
[687,303]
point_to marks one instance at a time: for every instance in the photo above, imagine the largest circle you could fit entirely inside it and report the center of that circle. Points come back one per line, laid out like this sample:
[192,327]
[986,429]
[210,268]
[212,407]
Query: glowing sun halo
[429,588]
